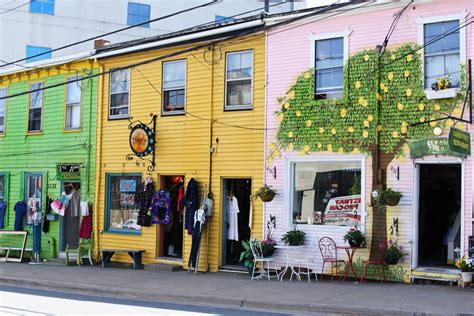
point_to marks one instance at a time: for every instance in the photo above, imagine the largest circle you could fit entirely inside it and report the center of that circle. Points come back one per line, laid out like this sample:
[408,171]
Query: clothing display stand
[37,240]
[199,221]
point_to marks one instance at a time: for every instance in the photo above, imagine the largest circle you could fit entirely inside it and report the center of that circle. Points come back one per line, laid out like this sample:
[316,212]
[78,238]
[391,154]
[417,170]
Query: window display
[123,203]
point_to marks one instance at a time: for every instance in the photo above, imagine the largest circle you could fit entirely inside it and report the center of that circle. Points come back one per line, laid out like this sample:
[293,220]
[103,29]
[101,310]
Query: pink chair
[328,249]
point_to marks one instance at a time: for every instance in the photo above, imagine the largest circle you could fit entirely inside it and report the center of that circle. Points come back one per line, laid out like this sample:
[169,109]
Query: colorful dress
[160,207]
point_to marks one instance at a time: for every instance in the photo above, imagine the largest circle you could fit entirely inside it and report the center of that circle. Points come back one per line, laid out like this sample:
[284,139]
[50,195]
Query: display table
[350,251]
[289,252]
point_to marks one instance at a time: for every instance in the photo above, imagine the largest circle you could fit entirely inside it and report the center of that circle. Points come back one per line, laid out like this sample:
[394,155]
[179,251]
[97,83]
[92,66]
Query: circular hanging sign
[142,140]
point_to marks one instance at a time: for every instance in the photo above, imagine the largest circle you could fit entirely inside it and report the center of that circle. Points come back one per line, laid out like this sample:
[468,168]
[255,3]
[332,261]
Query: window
[329,54]
[442,57]
[119,93]
[36,107]
[3,102]
[174,85]
[35,50]
[239,76]
[138,13]
[33,193]
[42,6]
[223,19]
[327,192]
[122,202]
[3,187]
[73,104]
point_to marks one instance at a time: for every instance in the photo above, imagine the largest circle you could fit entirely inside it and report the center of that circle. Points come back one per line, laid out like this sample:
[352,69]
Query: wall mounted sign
[459,141]
[142,142]
[432,146]
[68,172]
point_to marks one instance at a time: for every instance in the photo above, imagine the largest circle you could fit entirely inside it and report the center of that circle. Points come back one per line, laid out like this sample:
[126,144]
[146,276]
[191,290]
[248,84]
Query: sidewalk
[238,290]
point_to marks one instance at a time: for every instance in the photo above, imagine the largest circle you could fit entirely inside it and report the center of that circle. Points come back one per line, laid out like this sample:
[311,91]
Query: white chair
[258,257]
[310,262]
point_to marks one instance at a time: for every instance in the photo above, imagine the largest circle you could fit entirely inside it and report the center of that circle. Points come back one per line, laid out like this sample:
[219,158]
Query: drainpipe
[89,138]
[211,97]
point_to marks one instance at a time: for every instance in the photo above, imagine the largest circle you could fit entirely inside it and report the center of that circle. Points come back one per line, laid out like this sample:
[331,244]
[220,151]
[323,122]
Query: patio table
[289,261]
[350,257]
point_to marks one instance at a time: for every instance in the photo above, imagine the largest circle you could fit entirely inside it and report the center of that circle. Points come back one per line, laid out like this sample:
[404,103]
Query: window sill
[72,130]
[34,133]
[118,118]
[177,113]
[122,231]
[442,94]
[235,108]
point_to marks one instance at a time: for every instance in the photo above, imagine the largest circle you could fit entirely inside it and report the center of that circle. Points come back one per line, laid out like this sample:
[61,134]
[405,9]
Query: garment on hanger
[191,203]
[232,215]
[144,201]
[75,203]
[180,204]
[36,221]
[85,231]
[84,208]
[3,207]
[199,220]
[46,212]
[250,212]
[160,207]
[20,211]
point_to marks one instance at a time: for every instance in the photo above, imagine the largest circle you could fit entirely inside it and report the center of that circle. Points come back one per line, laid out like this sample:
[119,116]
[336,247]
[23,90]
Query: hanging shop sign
[344,211]
[68,172]
[432,146]
[459,141]
[142,142]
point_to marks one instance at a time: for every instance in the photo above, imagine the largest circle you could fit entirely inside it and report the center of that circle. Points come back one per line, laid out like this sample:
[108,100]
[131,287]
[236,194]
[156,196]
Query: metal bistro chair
[310,262]
[83,251]
[328,249]
[258,257]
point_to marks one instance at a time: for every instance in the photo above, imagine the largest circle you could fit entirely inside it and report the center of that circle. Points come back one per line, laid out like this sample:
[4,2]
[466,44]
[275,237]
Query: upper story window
[35,50]
[73,104]
[442,57]
[3,102]
[138,13]
[329,62]
[174,87]
[119,93]
[239,80]
[42,6]
[35,112]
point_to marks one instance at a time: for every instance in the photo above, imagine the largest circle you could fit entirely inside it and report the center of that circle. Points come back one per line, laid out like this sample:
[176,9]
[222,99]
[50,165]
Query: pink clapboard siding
[289,54]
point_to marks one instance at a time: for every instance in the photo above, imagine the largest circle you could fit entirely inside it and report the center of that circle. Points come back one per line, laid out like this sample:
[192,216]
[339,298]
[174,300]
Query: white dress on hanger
[233,211]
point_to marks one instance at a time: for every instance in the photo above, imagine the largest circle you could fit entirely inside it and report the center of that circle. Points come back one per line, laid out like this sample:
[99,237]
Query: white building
[31,27]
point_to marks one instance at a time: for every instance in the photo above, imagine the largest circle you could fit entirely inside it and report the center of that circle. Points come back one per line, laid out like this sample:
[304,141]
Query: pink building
[330,99]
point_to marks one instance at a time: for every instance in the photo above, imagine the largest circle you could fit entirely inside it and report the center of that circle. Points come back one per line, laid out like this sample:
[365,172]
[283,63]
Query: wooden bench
[7,248]
[135,254]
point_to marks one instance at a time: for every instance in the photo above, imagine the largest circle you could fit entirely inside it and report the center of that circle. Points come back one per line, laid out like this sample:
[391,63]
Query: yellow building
[206,89]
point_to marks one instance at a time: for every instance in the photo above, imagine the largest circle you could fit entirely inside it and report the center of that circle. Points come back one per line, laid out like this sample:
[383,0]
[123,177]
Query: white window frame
[289,185]
[117,117]
[313,37]
[461,17]
[178,112]
[4,104]
[239,107]
[29,107]
[79,104]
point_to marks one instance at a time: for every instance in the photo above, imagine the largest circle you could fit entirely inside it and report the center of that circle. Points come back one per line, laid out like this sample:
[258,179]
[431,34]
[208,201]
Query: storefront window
[33,193]
[2,187]
[122,202]
[327,193]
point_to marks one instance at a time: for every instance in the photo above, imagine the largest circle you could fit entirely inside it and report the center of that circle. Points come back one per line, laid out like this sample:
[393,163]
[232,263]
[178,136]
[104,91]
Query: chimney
[100,43]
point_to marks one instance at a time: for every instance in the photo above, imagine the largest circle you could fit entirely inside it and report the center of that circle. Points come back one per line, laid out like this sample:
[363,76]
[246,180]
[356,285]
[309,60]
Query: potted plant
[392,252]
[355,237]
[388,197]
[441,89]
[268,246]
[294,237]
[246,256]
[265,193]
[466,266]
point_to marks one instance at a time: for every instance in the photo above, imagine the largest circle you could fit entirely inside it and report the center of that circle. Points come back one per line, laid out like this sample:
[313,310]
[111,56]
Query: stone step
[163,267]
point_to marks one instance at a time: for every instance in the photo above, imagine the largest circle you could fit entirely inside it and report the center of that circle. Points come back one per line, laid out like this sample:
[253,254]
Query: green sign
[459,141]
[432,146]
[68,172]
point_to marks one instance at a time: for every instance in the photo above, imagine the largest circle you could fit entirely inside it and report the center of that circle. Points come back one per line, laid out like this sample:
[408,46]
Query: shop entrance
[439,214]
[69,225]
[236,203]
[170,236]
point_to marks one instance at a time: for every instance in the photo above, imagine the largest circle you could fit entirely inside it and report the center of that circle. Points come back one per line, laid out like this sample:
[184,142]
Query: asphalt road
[16,301]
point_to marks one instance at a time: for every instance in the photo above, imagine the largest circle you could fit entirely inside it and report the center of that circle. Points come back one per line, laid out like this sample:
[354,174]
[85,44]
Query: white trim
[323,36]
[289,184]
[461,17]
[117,117]
[239,106]
[163,89]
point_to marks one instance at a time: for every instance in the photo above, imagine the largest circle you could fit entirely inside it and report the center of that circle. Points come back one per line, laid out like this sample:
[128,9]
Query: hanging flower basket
[390,260]
[265,193]
[267,197]
[393,201]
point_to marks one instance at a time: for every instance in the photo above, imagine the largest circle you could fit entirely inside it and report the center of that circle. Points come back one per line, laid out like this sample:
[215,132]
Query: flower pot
[268,250]
[267,197]
[390,260]
[393,201]
[355,242]
[466,277]
[441,94]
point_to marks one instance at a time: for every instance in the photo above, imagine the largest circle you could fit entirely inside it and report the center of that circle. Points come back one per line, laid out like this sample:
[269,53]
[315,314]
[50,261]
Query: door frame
[61,218]
[416,201]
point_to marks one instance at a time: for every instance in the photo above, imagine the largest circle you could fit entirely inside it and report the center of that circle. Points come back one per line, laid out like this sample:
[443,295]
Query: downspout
[211,97]
[265,135]
[89,138]
[98,164]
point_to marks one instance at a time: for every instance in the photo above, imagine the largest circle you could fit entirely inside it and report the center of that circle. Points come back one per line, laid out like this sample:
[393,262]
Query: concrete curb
[203,300]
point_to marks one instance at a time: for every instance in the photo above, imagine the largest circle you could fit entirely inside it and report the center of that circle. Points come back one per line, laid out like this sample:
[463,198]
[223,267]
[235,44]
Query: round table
[289,261]
[350,256]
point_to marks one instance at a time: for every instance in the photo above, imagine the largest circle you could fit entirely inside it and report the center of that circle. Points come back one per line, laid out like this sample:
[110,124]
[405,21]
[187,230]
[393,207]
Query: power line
[12,9]
[110,33]
[392,28]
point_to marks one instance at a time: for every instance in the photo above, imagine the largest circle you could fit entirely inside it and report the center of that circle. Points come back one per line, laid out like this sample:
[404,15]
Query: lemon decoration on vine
[421,107]
[432,123]
[340,151]
[379,97]
[350,129]
[319,145]
[370,118]
[395,134]
[437,107]
[357,84]
[379,128]
[393,57]
[449,122]
[321,130]
[290,134]
[408,92]
[400,106]
[298,113]
[307,75]
[292,94]
[365,134]
[281,116]
[422,119]
[410,57]
[405,123]
[390,76]
[343,113]
[403,130]
[287,105]
[309,123]
[457,112]
[291,146]
[382,86]
[366,123]
[385,89]
[272,146]
[356,151]
[366,57]
[329,147]
[406,73]
[333,131]
[306,148]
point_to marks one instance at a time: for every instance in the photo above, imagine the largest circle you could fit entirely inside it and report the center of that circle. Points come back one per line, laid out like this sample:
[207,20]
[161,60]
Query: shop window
[119,93]
[329,63]
[174,87]
[442,57]
[3,102]
[3,187]
[239,79]
[35,50]
[327,192]
[33,194]
[42,6]
[73,104]
[35,113]
[138,13]
[122,203]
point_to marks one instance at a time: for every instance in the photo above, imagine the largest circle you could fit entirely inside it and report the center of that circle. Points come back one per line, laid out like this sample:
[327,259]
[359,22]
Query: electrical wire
[49,151]
[17,7]
[112,32]
[392,28]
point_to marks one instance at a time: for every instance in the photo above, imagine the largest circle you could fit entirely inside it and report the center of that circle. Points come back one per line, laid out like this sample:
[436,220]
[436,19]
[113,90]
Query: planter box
[441,94]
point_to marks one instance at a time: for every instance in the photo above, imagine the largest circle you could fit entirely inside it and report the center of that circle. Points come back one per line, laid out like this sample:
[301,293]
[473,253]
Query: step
[435,274]
[163,267]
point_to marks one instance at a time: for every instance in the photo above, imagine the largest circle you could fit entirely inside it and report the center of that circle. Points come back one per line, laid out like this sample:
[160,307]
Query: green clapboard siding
[21,154]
